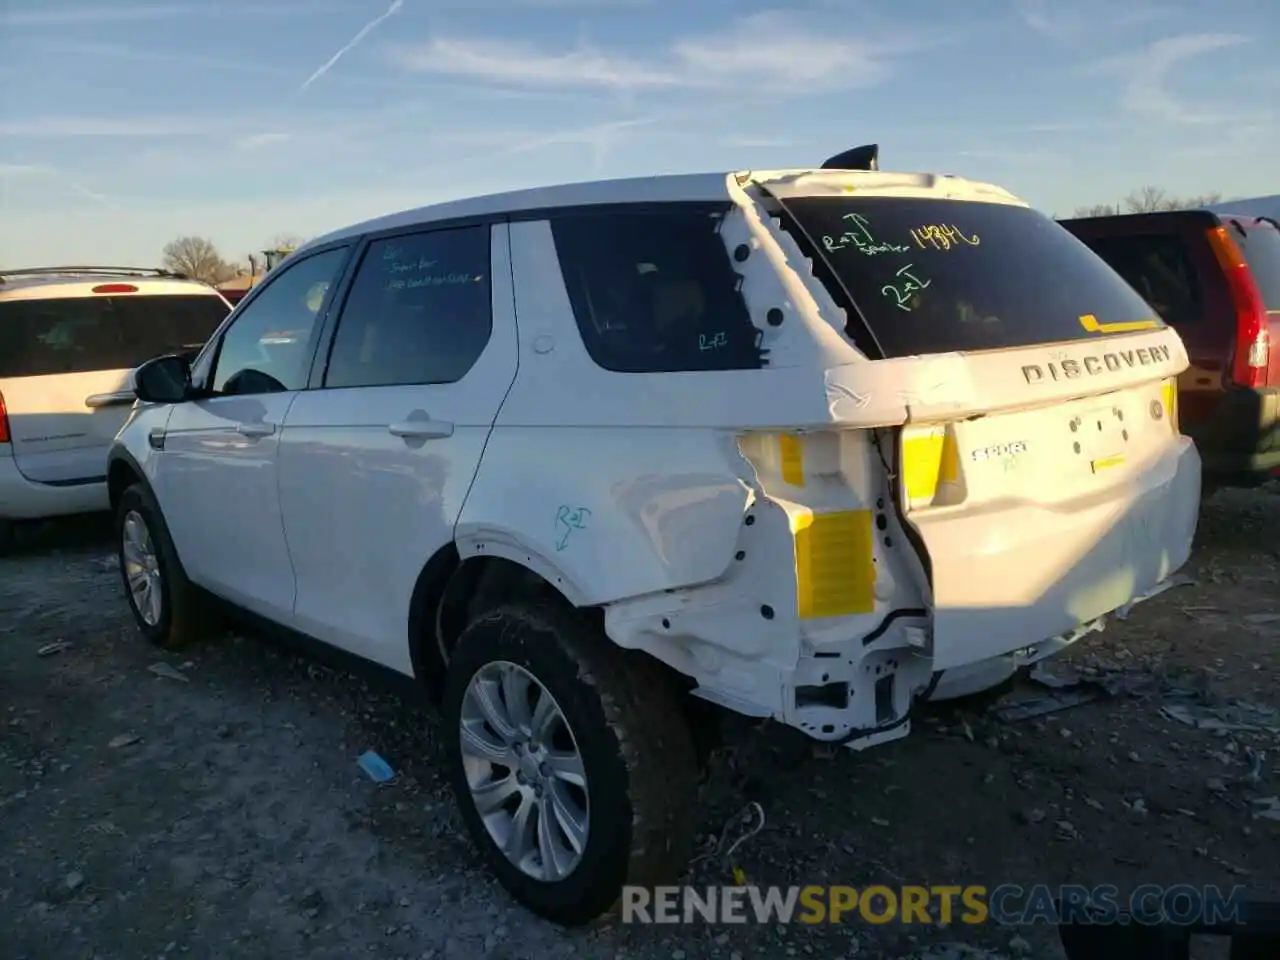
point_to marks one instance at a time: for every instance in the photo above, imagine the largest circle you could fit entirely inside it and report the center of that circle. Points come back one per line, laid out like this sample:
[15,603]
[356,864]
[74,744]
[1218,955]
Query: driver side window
[266,349]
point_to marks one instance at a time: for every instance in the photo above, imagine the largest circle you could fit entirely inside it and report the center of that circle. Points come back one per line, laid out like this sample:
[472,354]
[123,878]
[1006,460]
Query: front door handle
[117,399]
[255,429]
[421,429]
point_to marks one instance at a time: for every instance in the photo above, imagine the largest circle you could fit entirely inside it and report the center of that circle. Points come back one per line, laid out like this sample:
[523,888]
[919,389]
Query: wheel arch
[452,588]
[123,471]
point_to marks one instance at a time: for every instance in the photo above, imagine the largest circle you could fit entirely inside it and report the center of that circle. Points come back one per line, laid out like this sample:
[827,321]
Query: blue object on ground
[378,770]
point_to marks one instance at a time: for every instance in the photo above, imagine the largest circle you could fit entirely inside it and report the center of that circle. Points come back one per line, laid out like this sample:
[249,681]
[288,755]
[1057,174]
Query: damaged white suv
[798,443]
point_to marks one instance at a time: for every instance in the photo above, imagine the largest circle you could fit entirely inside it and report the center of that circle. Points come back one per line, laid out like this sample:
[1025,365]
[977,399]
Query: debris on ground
[1268,808]
[377,769]
[49,649]
[1239,717]
[168,673]
[123,740]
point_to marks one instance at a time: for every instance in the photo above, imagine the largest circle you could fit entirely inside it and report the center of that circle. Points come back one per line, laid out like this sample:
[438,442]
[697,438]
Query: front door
[375,465]
[216,475]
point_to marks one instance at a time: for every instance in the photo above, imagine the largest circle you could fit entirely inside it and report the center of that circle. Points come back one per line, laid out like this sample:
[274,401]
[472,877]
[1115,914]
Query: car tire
[171,613]
[624,721]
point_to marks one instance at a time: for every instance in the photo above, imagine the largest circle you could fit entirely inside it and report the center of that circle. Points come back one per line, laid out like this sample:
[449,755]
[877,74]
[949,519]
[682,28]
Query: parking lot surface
[209,804]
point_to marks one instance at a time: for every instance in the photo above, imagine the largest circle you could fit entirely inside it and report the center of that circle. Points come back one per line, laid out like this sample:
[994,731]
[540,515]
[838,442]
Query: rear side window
[1158,267]
[934,276]
[419,311]
[81,334]
[653,290]
[1260,245]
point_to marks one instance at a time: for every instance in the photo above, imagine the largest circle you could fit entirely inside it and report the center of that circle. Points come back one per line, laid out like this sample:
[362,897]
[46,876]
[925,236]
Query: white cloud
[256,141]
[764,52]
[360,35]
[115,12]
[1144,75]
[1066,24]
[142,126]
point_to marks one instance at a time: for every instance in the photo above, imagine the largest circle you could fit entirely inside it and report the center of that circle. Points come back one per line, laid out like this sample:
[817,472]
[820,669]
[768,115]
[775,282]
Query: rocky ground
[210,805]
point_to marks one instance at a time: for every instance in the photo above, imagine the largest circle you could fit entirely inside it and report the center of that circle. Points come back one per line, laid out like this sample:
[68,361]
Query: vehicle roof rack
[865,157]
[157,272]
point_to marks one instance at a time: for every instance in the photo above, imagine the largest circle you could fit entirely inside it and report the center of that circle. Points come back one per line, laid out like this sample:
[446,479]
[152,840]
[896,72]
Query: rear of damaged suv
[959,451]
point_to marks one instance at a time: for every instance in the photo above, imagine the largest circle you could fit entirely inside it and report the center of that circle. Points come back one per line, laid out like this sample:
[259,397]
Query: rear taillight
[4,422]
[1253,342]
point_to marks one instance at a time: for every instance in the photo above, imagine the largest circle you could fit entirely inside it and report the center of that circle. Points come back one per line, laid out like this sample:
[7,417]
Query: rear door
[1051,489]
[65,363]
[1167,260]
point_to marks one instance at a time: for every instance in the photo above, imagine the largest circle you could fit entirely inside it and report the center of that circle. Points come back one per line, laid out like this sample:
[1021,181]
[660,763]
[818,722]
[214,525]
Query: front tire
[579,756]
[168,609]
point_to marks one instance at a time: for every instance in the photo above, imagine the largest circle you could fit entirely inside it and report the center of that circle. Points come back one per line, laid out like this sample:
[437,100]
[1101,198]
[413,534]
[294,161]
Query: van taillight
[1253,341]
[4,422]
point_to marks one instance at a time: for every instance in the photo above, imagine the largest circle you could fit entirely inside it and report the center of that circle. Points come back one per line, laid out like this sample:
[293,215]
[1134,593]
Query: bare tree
[197,258]
[1148,200]
[1098,210]
[285,241]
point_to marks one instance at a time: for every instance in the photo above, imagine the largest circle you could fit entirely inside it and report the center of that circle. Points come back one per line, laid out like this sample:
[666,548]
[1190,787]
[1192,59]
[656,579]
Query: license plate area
[1100,438]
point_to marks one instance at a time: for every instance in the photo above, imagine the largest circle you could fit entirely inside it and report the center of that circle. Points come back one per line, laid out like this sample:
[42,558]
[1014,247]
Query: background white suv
[69,339]
[794,443]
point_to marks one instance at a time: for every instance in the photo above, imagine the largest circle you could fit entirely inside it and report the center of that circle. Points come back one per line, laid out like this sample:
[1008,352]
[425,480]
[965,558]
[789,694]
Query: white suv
[795,443]
[69,340]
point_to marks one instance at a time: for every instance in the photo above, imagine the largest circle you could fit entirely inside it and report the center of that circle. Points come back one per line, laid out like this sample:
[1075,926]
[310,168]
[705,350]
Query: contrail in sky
[364,32]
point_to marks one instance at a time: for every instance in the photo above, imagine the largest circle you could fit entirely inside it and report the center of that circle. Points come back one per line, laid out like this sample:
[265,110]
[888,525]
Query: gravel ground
[218,811]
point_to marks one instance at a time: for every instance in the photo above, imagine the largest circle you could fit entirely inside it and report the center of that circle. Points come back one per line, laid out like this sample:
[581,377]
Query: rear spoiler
[865,157]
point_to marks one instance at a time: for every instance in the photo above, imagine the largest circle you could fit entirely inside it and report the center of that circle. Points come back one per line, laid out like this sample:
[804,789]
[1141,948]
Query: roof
[1253,206]
[672,188]
[33,283]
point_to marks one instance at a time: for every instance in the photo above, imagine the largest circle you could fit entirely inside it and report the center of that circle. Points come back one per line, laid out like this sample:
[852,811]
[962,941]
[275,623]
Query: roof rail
[104,271]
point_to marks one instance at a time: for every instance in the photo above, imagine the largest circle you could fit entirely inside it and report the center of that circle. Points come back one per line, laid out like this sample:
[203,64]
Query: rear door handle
[255,429]
[421,429]
[117,399]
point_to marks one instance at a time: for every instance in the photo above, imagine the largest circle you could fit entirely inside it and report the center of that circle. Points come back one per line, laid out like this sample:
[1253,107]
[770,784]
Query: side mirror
[163,380]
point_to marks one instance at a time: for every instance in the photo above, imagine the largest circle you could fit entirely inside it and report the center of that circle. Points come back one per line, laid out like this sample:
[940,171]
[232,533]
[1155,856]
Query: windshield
[1260,245]
[79,334]
[936,276]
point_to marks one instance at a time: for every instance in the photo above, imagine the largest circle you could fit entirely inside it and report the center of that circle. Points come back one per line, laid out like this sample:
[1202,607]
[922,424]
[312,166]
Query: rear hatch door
[1033,470]
[65,364]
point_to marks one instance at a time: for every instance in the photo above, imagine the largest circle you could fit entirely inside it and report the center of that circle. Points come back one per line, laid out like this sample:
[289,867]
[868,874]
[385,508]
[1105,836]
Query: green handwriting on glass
[942,236]
[859,235]
[904,288]
[437,280]
[713,342]
[569,519]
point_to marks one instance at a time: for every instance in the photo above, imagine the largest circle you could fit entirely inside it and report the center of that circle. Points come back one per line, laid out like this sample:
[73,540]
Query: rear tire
[169,610]
[616,722]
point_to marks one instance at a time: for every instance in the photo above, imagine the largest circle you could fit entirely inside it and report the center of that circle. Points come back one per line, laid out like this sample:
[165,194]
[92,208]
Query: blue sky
[124,124]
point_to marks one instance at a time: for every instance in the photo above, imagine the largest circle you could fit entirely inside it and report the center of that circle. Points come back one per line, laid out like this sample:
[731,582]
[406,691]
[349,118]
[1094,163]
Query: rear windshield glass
[80,334]
[933,276]
[653,290]
[1261,247]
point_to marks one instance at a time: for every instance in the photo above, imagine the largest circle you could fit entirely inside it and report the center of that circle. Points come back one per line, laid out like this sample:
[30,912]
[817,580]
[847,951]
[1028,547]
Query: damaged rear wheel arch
[451,592]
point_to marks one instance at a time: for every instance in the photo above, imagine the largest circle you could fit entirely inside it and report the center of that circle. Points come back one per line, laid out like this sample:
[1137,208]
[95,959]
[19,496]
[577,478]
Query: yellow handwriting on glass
[942,236]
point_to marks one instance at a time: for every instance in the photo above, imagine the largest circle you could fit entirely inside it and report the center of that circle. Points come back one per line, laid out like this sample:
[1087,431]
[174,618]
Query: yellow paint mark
[835,572]
[1169,392]
[739,876]
[922,459]
[1090,323]
[791,452]
[1106,463]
